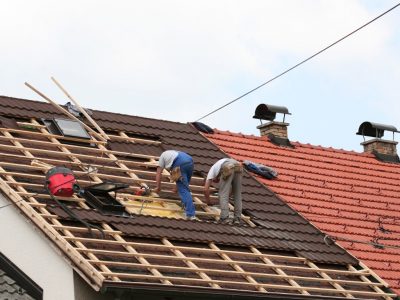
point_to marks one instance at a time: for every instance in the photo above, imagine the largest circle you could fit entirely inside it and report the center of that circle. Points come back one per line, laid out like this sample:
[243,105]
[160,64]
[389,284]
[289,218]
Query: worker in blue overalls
[180,165]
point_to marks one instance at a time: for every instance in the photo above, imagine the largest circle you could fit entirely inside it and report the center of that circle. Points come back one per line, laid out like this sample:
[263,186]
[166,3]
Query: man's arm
[207,191]
[158,179]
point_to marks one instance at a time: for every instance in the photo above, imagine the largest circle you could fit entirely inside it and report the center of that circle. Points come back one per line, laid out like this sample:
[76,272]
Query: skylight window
[71,128]
[66,128]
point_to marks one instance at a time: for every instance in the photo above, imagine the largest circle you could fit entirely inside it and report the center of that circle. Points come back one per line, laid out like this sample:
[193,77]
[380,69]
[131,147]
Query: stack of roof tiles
[351,196]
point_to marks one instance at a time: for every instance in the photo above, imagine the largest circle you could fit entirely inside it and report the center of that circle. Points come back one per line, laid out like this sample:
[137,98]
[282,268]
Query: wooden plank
[75,147]
[83,111]
[195,250]
[61,137]
[83,229]
[223,262]
[124,137]
[333,283]
[279,271]
[65,112]
[238,268]
[365,280]
[232,273]
[265,285]
[142,260]
[190,264]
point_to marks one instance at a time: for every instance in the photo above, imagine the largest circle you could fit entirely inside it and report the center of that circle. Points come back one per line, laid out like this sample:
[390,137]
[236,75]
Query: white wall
[30,250]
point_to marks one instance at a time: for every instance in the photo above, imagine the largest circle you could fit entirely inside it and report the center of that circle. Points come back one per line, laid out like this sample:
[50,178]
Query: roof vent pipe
[268,112]
[377,145]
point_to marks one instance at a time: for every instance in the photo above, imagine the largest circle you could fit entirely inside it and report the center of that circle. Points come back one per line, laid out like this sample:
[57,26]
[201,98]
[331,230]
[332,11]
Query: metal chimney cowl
[377,144]
[268,112]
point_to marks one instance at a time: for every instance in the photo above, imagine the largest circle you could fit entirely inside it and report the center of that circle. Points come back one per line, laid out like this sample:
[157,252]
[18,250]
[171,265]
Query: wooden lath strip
[99,175]
[365,279]
[73,147]
[191,265]
[326,276]
[142,260]
[238,268]
[199,250]
[61,137]
[279,271]
[265,285]
[65,112]
[83,111]
[230,272]
[124,137]
[63,162]
[223,262]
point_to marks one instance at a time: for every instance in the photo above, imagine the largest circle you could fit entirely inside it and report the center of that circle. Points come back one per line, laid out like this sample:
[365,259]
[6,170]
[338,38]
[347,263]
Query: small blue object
[264,171]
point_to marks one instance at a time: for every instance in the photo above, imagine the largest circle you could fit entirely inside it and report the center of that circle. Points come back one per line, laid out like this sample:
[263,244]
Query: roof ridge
[94,110]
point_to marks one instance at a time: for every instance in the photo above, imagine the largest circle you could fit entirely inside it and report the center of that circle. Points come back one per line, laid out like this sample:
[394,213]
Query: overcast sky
[178,60]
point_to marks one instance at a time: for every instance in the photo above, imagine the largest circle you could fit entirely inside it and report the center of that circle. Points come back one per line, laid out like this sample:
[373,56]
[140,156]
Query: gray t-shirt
[167,158]
[214,170]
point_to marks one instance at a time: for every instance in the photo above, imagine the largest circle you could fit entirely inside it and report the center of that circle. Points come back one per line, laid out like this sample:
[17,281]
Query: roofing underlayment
[275,250]
[350,196]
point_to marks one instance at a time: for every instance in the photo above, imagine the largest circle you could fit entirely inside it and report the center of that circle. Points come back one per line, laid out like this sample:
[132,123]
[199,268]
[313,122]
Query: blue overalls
[185,162]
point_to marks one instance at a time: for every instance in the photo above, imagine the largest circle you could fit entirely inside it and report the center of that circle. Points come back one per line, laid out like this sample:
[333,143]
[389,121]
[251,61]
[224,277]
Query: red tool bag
[60,181]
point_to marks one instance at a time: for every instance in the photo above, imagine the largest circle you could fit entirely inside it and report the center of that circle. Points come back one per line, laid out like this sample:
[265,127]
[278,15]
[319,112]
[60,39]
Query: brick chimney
[383,149]
[278,129]
[380,146]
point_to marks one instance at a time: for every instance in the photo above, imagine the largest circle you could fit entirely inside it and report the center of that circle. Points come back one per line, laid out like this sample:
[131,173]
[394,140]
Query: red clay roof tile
[347,194]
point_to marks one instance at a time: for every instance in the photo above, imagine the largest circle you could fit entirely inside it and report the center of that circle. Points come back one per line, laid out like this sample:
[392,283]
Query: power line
[298,64]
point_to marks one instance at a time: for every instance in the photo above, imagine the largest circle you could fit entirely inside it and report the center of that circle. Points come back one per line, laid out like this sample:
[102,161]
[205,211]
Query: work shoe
[191,218]
[236,221]
[224,221]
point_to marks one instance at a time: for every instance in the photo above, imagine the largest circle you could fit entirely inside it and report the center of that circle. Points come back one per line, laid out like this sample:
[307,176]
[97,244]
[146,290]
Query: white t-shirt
[167,158]
[214,170]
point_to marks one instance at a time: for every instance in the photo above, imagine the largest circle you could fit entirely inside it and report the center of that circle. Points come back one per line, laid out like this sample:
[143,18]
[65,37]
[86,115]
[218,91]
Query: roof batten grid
[98,278]
[82,204]
[222,258]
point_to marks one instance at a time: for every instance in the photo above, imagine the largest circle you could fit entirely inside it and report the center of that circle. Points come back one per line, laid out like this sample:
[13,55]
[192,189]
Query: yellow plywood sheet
[155,208]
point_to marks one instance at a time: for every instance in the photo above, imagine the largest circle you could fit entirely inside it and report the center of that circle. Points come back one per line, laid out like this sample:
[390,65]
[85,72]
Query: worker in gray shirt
[180,165]
[228,172]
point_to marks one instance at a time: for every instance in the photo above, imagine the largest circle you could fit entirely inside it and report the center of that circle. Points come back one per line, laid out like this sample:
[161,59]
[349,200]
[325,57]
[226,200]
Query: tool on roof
[60,181]
[83,111]
[98,196]
[98,135]
[143,191]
